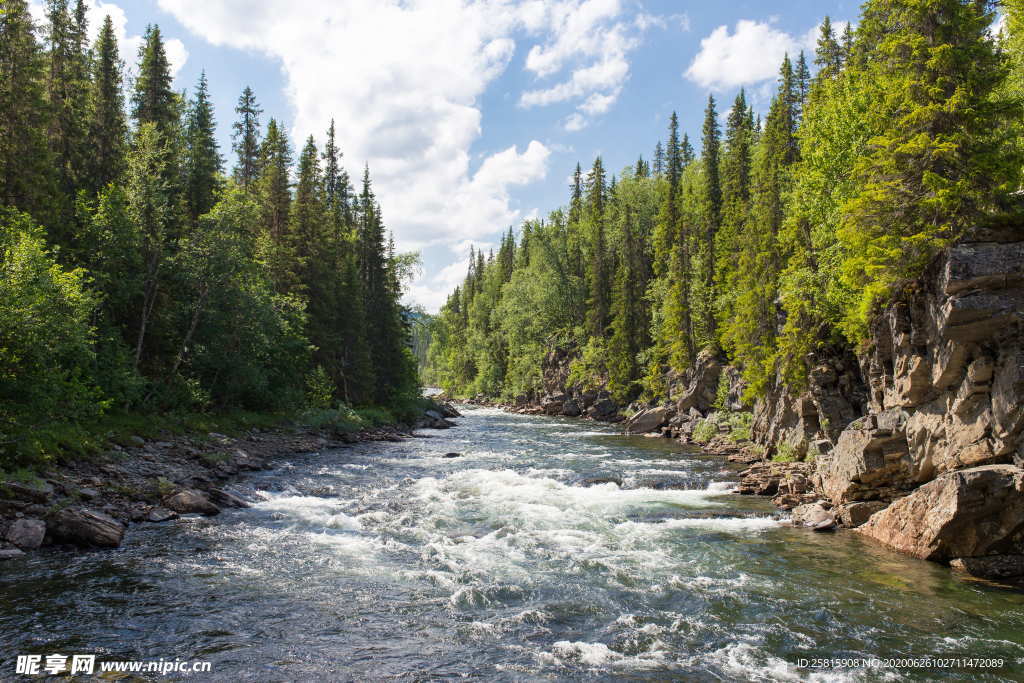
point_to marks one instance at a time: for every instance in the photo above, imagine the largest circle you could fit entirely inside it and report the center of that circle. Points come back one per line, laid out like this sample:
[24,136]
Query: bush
[47,359]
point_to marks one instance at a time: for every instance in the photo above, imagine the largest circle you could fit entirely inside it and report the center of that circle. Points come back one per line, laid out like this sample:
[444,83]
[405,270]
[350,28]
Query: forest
[779,237]
[139,275]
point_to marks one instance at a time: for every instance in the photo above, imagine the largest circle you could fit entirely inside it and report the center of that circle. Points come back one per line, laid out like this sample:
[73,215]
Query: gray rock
[598,479]
[85,527]
[571,408]
[161,514]
[26,533]
[226,499]
[814,516]
[36,492]
[191,501]
[991,566]
[10,554]
[648,421]
[452,455]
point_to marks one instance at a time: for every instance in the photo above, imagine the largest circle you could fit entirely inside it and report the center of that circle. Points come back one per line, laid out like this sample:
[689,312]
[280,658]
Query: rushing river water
[390,561]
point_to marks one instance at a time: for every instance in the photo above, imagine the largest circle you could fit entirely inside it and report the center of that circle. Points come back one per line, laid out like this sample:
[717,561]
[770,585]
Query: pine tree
[659,159]
[598,277]
[829,53]
[68,90]
[246,139]
[107,128]
[713,218]
[24,150]
[202,162]
[153,100]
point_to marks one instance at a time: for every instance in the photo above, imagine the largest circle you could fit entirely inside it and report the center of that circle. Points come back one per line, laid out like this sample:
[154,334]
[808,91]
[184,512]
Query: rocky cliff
[938,444]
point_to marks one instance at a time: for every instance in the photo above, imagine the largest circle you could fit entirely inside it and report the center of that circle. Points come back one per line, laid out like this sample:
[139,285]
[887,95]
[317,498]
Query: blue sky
[473,114]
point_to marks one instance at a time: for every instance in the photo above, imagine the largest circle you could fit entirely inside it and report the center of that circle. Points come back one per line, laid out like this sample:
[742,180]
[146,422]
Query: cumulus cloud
[594,39]
[750,54]
[97,10]
[402,79]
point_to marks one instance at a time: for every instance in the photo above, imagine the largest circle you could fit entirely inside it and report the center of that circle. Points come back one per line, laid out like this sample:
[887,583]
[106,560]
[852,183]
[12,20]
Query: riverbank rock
[191,501]
[10,554]
[650,420]
[814,516]
[84,527]
[160,514]
[991,566]
[226,499]
[853,515]
[970,513]
[26,533]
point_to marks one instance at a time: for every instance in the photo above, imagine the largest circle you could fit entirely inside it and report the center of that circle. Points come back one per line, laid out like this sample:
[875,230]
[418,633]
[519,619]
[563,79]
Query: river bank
[90,502]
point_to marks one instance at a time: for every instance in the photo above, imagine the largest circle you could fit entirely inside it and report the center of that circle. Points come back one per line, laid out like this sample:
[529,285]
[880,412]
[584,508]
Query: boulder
[226,499]
[10,554]
[35,492]
[160,514]
[449,410]
[452,455]
[854,514]
[603,409]
[571,408]
[26,533]
[189,501]
[968,513]
[598,479]
[814,516]
[85,527]
[648,421]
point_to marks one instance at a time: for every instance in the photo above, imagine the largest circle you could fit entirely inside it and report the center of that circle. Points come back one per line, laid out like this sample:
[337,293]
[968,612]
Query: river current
[390,561]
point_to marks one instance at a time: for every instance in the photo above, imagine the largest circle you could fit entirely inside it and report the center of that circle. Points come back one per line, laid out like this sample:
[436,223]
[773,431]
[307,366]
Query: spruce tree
[25,168]
[829,54]
[107,128]
[659,159]
[275,181]
[735,183]
[246,139]
[202,162]
[597,275]
[153,100]
[713,215]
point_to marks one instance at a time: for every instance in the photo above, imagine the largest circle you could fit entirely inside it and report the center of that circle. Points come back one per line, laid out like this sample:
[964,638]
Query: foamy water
[524,559]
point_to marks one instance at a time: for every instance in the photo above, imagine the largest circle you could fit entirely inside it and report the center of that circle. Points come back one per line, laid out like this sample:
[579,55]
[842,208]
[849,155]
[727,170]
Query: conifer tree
[686,153]
[659,159]
[246,139]
[598,277]
[153,100]
[202,162]
[713,217]
[735,183]
[829,53]
[107,128]
[25,166]
[275,182]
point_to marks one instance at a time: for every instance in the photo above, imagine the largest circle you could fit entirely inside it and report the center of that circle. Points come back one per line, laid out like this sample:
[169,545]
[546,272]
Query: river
[387,560]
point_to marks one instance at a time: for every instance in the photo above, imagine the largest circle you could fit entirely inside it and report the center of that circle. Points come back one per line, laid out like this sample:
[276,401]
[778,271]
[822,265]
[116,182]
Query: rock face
[945,378]
[190,500]
[84,527]
[970,513]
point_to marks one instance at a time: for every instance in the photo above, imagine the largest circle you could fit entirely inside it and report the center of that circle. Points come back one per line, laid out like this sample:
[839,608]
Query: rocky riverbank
[916,441]
[91,503]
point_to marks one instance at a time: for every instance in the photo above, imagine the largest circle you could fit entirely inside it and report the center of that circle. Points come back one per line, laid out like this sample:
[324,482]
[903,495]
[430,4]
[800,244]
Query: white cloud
[575,122]
[177,54]
[751,54]
[594,38]
[403,80]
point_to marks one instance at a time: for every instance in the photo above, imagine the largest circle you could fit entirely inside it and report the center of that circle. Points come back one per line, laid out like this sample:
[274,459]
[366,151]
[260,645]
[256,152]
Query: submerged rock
[598,479]
[991,566]
[970,513]
[85,527]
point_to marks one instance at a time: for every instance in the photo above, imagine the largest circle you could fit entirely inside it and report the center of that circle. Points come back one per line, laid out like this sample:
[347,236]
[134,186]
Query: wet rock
[85,527]
[10,554]
[191,501]
[449,410]
[663,482]
[968,513]
[160,514]
[604,409]
[598,479]
[650,420]
[854,514]
[814,516]
[26,533]
[991,566]
[452,455]
[226,499]
[571,408]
